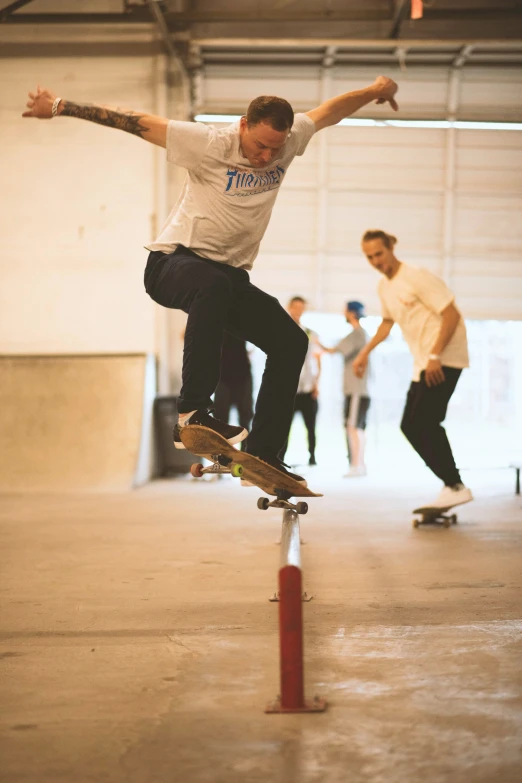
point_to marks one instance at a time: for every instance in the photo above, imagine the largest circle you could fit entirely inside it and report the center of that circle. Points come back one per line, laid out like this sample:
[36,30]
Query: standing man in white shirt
[200,261]
[424,307]
[308,387]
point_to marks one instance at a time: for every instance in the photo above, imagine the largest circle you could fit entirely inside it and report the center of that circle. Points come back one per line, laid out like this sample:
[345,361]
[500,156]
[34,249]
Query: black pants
[235,394]
[422,419]
[217,297]
[307,405]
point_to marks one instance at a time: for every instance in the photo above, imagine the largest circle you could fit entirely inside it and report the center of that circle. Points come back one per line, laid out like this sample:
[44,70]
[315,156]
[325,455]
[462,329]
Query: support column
[159,217]
[322,183]
[291,659]
[452,105]
[448,226]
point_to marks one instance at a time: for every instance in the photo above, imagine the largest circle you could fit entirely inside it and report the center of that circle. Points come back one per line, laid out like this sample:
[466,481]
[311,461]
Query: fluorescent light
[488,125]
[365,123]
[361,123]
[459,124]
[217,117]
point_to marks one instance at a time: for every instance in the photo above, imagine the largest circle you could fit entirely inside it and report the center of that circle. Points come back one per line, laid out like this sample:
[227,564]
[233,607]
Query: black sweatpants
[422,419]
[308,406]
[220,297]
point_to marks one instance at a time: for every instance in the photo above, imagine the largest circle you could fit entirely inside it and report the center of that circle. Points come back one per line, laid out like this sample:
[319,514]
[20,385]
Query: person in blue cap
[356,397]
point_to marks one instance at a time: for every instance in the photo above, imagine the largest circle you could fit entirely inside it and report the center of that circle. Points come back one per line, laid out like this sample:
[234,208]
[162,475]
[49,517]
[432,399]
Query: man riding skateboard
[424,307]
[199,263]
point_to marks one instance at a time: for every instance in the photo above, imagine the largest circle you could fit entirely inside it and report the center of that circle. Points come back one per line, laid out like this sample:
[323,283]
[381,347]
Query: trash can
[171,461]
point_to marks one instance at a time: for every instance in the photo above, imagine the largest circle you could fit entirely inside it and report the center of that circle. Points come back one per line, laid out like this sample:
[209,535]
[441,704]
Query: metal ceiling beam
[329,56]
[463,56]
[138,15]
[6,12]
[265,13]
[354,43]
[400,14]
[162,26]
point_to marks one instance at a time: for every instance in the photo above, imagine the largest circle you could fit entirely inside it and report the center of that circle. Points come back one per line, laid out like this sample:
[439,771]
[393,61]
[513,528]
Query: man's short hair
[275,111]
[388,240]
[297,299]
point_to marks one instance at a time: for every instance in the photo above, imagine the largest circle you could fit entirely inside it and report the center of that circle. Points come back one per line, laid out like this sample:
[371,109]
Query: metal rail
[291,698]
[290,539]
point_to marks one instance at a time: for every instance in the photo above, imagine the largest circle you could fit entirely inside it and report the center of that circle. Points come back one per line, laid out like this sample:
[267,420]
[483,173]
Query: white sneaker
[356,471]
[452,496]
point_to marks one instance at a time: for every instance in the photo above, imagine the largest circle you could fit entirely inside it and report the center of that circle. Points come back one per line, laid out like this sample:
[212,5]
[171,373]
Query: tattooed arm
[146,126]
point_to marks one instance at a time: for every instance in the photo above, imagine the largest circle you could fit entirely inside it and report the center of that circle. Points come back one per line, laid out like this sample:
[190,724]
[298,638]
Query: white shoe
[356,471]
[452,496]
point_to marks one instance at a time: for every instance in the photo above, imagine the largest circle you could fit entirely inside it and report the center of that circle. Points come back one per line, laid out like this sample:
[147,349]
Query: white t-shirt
[226,203]
[414,299]
[310,372]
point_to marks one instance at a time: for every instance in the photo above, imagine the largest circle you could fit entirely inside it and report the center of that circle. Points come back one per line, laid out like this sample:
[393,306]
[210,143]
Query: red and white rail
[291,698]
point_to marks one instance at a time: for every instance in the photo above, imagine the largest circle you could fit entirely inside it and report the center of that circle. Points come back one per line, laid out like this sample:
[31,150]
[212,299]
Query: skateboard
[226,459]
[434,516]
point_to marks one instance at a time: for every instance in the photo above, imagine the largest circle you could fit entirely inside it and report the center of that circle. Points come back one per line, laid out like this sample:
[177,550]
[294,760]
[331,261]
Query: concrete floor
[138,643]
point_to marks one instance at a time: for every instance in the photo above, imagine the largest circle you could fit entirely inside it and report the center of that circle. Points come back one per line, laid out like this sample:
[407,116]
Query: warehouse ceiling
[282,32]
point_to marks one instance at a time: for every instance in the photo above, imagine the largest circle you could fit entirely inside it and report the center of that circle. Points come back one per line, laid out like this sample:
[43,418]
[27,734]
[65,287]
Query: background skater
[424,307]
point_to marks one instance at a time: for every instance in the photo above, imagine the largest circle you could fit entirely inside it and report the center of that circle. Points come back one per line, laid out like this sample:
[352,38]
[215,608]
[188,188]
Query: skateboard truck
[447,520]
[282,500]
[220,465]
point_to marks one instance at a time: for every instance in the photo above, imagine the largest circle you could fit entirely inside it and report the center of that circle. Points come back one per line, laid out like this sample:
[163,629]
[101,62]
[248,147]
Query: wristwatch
[434,357]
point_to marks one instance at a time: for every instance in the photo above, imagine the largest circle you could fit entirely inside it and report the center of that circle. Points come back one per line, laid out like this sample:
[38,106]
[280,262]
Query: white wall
[79,203]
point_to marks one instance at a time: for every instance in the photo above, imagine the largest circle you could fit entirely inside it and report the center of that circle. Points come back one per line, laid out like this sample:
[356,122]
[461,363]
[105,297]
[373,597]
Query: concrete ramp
[75,422]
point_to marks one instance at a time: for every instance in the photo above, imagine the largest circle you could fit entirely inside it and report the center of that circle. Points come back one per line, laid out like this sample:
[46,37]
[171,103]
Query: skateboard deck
[209,444]
[434,516]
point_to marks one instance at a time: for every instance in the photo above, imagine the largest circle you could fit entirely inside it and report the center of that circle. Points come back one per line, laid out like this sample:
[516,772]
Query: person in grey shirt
[356,397]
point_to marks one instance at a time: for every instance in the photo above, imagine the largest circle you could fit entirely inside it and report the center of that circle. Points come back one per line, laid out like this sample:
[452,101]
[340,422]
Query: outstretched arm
[325,349]
[146,126]
[360,362]
[334,110]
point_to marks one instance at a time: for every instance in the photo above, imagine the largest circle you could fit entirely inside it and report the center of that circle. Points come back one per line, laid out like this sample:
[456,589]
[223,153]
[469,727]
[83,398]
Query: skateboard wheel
[301,507]
[237,471]
[453,519]
[263,504]
[197,470]
[415,523]
[447,522]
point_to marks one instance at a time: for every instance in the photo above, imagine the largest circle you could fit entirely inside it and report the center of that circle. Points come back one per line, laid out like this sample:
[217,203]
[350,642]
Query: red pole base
[291,638]
[317,705]
[291,647]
